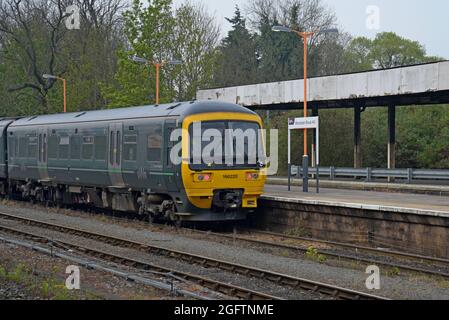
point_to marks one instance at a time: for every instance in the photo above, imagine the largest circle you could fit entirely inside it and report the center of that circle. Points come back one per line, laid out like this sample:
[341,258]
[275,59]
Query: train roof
[179,109]
[5,122]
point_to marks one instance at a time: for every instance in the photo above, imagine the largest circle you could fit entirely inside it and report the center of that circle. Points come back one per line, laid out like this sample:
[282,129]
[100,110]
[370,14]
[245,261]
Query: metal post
[357,138]
[289,159]
[369,174]
[409,175]
[64,81]
[158,66]
[268,119]
[305,173]
[391,139]
[318,178]
[314,142]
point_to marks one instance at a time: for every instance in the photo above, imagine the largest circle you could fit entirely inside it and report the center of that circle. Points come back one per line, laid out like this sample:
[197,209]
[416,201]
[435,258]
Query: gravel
[396,287]
[12,291]
[43,269]
[212,273]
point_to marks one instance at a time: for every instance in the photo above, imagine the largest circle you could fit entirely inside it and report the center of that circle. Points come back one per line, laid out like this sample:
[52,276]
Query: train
[122,160]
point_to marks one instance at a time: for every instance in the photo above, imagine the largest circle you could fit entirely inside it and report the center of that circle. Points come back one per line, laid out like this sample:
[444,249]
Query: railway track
[349,252]
[216,286]
[89,264]
[278,278]
[427,265]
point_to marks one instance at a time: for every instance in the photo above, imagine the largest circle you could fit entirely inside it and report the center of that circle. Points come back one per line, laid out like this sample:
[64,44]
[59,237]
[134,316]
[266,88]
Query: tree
[31,34]
[90,53]
[35,40]
[238,62]
[359,53]
[159,33]
[195,38]
[386,50]
[281,54]
[148,35]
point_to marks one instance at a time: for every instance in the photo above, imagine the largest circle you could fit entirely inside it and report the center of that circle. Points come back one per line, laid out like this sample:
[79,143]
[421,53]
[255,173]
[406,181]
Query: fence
[370,174]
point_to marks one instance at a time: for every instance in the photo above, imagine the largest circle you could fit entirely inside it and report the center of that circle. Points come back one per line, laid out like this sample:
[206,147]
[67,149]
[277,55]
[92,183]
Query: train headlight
[203,177]
[252,176]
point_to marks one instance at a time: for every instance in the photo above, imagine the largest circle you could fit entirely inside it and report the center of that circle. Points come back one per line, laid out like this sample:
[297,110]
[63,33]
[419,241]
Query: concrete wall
[399,81]
[421,234]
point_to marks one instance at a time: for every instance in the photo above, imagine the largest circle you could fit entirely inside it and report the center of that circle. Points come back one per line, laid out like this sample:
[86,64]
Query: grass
[298,232]
[48,287]
[393,272]
[312,254]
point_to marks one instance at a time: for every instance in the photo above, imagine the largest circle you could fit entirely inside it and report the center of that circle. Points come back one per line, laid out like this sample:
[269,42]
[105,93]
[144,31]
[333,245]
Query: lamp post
[305,36]
[64,81]
[158,66]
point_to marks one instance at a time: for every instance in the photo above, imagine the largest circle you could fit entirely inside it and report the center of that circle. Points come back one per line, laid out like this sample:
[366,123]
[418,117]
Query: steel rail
[217,286]
[278,278]
[340,256]
[95,266]
[354,246]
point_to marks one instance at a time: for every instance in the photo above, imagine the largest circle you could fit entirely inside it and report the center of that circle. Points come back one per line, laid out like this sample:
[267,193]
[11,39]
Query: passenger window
[40,147]
[130,147]
[154,144]
[119,148]
[75,147]
[53,147]
[64,142]
[23,144]
[45,148]
[88,148]
[111,148]
[12,147]
[32,147]
[100,148]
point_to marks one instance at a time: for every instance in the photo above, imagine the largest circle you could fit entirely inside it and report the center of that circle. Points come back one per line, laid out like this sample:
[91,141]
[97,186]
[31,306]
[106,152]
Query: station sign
[303,123]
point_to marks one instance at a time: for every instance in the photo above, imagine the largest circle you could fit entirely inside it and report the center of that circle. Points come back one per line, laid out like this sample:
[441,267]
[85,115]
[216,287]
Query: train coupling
[227,199]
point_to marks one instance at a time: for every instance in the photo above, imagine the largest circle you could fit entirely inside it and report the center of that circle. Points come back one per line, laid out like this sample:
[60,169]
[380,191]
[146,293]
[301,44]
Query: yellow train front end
[223,190]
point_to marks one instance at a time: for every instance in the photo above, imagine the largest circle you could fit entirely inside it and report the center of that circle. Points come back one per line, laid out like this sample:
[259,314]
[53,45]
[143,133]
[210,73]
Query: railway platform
[438,188]
[414,223]
[424,204]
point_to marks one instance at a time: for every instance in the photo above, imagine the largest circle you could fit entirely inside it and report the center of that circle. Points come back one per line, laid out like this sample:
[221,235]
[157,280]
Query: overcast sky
[424,21]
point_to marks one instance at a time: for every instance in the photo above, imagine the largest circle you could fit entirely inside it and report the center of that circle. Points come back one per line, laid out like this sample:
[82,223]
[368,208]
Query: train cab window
[100,148]
[75,147]
[154,144]
[130,147]
[64,142]
[53,147]
[88,148]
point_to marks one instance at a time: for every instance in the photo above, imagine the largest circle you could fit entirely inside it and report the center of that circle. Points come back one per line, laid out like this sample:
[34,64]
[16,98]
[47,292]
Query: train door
[170,172]
[42,164]
[115,154]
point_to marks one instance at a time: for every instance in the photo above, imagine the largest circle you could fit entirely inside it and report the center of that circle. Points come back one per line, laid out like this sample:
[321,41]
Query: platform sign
[301,124]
